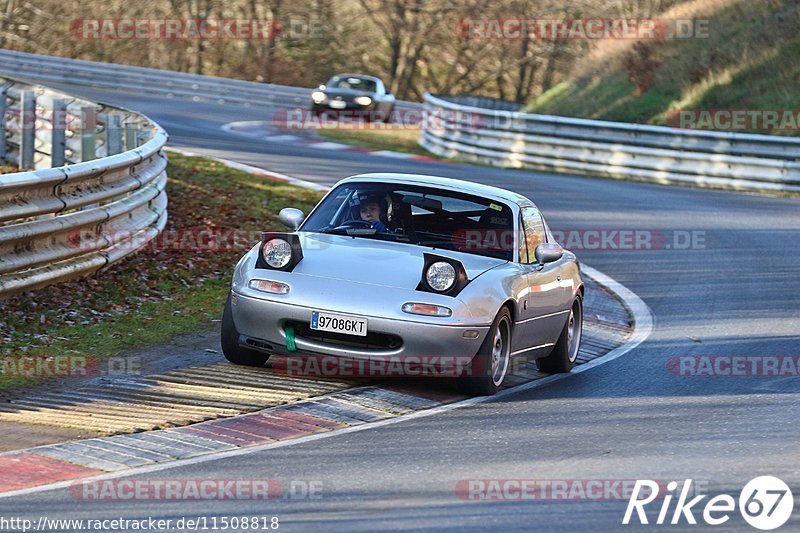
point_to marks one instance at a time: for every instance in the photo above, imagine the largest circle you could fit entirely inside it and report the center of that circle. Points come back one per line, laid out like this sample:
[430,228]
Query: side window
[534,230]
[523,246]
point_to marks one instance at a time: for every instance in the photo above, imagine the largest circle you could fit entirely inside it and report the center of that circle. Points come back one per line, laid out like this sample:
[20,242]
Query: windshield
[352,83]
[417,215]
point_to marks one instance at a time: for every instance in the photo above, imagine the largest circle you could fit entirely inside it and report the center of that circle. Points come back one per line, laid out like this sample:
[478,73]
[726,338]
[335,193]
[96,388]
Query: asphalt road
[736,292]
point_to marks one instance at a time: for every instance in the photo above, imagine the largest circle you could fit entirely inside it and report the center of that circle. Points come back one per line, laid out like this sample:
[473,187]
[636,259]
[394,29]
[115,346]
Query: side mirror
[547,252]
[291,218]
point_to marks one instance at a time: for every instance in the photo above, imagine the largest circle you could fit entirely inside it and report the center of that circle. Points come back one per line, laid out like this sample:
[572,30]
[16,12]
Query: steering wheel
[354,224]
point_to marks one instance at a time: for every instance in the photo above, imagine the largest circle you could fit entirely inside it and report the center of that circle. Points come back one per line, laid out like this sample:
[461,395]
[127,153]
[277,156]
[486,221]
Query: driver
[372,209]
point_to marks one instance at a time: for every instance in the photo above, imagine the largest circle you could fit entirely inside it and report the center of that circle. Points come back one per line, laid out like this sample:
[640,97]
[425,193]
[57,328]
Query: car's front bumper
[350,107]
[262,323]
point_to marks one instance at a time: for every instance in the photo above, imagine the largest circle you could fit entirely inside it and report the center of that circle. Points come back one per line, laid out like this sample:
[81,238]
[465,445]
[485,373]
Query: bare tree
[415,45]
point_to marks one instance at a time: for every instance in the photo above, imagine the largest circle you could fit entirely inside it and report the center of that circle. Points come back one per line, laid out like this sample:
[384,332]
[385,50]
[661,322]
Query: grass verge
[746,61]
[171,287]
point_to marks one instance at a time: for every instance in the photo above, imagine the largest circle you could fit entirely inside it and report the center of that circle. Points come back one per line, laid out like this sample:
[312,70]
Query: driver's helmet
[359,198]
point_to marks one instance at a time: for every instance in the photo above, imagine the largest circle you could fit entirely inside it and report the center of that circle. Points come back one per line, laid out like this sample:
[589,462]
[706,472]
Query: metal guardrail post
[113,133]
[131,137]
[88,133]
[3,109]
[58,139]
[28,130]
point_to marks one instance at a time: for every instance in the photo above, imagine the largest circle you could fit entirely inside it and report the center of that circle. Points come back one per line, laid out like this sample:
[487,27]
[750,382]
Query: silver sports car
[408,267]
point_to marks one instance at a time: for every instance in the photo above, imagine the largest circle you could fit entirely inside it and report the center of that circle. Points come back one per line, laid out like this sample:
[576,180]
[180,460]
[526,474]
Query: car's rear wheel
[230,342]
[490,365]
[565,352]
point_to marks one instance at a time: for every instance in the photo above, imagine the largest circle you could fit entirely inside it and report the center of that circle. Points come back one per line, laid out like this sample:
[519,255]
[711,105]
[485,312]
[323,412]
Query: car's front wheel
[565,352]
[230,342]
[490,365]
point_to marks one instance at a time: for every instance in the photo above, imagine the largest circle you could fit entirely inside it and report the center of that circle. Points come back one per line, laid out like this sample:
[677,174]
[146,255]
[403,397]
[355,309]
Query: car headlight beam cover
[363,100]
[318,97]
[277,253]
[441,276]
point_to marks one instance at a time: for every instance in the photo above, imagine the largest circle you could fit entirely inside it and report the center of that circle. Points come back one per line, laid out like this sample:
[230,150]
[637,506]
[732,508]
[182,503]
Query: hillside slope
[749,61]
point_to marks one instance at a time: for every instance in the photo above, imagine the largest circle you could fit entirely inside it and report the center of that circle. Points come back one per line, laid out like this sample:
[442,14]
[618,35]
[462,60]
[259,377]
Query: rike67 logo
[765,503]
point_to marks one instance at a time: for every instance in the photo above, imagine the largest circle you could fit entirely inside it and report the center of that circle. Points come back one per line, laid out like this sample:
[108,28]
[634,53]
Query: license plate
[338,104]
[339,323]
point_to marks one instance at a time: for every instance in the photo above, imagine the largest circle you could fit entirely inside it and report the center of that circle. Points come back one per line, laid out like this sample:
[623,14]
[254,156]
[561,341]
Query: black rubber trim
[461,275]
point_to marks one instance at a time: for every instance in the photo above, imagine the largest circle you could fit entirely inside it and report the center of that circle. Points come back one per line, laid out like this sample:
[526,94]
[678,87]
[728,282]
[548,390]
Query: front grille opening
[372,341]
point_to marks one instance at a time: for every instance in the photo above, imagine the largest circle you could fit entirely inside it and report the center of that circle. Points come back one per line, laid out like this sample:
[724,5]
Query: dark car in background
[356,95]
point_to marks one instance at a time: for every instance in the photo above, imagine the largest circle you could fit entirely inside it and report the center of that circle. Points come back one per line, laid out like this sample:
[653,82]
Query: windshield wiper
[349,231]
[368,233]
[435,238]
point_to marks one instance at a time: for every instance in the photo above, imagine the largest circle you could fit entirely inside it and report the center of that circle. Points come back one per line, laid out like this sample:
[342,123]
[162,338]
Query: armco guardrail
[625,151]
[44,128]
[74,219]
[155,81]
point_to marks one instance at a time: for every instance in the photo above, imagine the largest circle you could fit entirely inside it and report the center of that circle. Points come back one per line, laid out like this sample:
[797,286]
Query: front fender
[484,295]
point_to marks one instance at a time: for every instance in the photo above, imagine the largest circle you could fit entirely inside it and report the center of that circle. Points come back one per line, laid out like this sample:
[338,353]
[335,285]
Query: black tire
[229,339]
[565,352]
[388,117]
[490,366]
